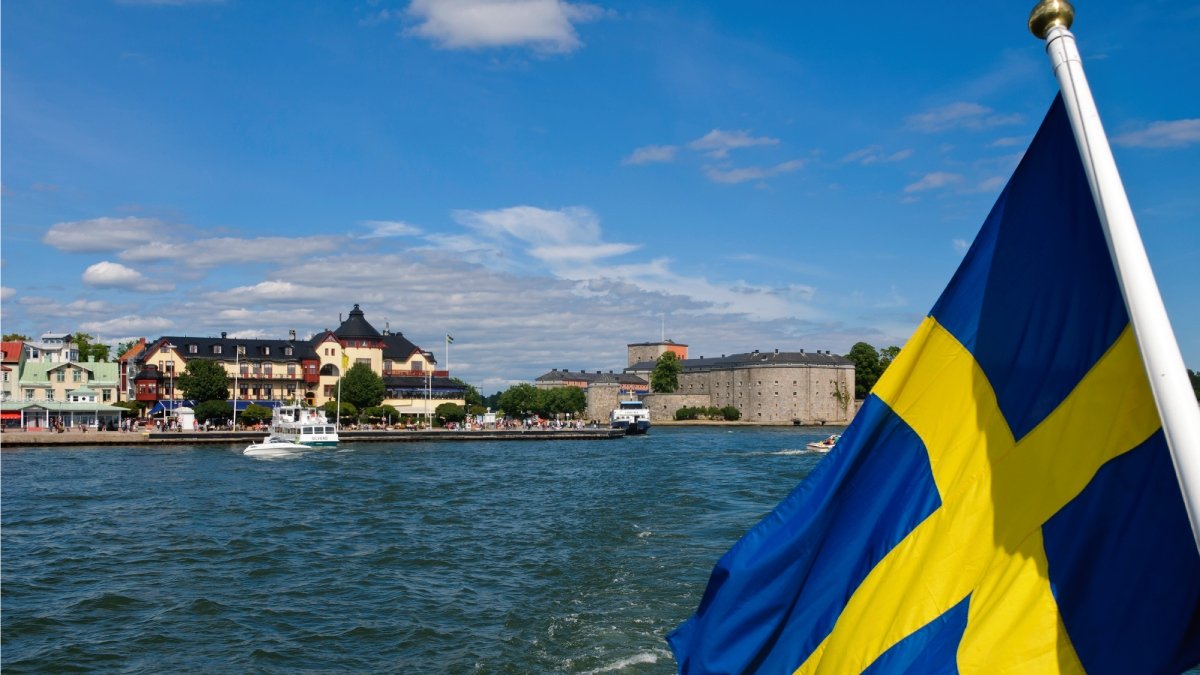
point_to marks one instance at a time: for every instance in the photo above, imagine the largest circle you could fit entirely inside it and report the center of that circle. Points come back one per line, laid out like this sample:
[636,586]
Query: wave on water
[641,658]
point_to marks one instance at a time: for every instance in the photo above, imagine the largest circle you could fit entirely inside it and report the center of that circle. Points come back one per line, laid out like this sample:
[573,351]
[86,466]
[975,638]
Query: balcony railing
[415,373]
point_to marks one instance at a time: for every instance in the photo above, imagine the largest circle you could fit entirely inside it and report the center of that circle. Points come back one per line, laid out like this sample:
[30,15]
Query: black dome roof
[356,326]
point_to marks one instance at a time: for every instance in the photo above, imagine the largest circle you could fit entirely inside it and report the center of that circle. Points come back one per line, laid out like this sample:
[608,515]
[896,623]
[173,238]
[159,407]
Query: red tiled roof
[12,350]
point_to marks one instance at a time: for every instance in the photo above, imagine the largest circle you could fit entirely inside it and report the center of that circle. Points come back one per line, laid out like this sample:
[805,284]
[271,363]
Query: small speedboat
[274,446]
[823,446]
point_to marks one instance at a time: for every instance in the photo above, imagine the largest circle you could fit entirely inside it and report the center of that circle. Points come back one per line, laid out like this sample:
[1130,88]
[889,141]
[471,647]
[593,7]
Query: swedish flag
[1004,501]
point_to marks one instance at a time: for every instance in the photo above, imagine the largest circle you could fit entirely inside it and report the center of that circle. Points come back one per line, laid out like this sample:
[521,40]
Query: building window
[267,369]
[266,351]
[60,376]
[107,394]
[287,351]
[216,349]
[243,390]
[328,390]
[387,366]
[28,394]
[291,370]
[365,362]
[50,395]
[241,350]
[418,366]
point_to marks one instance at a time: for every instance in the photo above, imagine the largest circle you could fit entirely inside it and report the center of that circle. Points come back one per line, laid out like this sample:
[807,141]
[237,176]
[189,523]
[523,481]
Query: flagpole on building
[1051,21]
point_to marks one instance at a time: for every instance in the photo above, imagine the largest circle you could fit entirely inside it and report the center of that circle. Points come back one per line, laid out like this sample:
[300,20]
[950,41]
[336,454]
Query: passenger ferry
[304,425]
[632,416]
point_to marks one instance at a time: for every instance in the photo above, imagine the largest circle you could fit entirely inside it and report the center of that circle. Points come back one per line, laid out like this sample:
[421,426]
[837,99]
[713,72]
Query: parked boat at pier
[631,416]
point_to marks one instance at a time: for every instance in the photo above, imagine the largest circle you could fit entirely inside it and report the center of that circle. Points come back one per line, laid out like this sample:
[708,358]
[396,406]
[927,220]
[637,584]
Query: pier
[14,439]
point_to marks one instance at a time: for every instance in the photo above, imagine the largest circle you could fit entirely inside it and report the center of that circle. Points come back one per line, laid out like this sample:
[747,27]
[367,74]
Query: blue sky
[548,181]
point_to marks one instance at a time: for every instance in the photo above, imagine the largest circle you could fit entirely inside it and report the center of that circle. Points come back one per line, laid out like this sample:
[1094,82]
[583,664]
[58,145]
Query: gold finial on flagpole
[1048,14]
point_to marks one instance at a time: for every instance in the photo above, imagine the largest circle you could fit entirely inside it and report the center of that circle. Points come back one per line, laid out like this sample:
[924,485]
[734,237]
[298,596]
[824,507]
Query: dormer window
[193,349]
[266,351]
[287,351]
[241,350]
[216,349]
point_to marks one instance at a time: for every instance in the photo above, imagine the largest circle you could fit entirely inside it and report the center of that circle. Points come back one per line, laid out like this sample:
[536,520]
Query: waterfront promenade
[14,439]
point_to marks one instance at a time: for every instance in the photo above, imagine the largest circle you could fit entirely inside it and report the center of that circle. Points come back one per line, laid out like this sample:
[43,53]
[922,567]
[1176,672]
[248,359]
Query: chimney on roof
[801,350]
[777,350]
[222,335]
[292,335]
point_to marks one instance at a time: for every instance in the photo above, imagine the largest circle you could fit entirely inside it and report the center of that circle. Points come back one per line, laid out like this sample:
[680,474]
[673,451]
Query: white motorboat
[631,416]
[274,446]
[301,424]
[825,445]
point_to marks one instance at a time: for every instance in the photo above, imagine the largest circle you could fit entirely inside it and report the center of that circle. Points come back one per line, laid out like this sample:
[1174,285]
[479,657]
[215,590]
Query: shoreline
[24,439]
[34,439]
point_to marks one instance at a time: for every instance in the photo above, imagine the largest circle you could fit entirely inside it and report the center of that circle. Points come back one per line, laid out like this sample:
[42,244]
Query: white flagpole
[1173,394]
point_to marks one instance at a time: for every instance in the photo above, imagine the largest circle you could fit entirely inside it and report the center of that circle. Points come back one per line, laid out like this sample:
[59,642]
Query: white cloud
[960,245]
[1009,141]
[718,143]
[875,155]
[105,274]
[741,175]
[960,115]
[992,184]
[935,180]
[545,25]
[203,253]
[1167,134]
[579,252]
[7,293]
[650,154]
[129,324]
[388,228]
[275,291]
[105,234]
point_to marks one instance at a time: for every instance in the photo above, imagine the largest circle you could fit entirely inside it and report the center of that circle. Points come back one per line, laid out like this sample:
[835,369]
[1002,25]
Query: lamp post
[171,374]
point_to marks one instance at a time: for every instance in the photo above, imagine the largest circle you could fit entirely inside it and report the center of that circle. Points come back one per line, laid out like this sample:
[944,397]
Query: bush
[731,414]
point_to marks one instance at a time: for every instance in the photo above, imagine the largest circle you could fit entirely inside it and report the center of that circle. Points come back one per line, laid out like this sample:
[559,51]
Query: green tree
[866,368]
[664,379]
[362,387]
[886,356]
[520,400]
[470,393]
[254,414]
[449,412]
[203,380]
[123,347]
[15,337]
[349,410]
[563,401]
[213,411]
[83,343]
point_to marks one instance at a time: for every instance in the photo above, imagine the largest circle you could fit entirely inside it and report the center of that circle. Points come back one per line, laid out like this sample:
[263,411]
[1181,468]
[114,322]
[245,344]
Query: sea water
[490,557]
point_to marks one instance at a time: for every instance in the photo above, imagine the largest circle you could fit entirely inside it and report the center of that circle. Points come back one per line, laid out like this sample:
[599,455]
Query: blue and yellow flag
[1004,501]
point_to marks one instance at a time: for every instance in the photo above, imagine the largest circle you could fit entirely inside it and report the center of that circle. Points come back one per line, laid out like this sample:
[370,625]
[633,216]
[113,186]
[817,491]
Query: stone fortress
[766,387]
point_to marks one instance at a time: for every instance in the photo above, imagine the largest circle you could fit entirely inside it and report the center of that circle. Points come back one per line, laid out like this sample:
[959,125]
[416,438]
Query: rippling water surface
[554,556]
